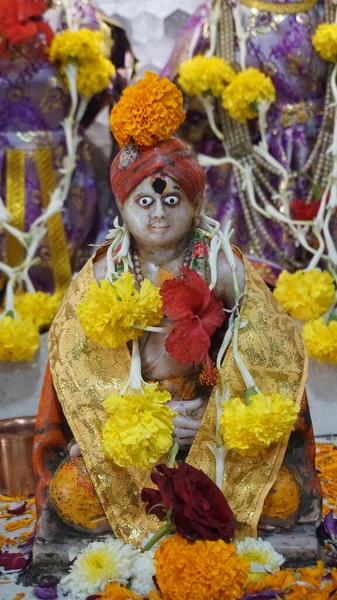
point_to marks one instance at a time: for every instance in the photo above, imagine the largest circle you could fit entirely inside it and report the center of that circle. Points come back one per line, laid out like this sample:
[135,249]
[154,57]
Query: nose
[158,211]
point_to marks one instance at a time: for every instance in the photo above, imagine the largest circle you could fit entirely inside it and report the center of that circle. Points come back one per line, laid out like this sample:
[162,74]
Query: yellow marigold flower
[81,45]
[201,570]
[321,340]
[19,339]
[148,112]
[325,41]
[109,312]
[246,90]
[205,74]
[38,307]
[251,428]
[305,295]
[94,76]
[139,429]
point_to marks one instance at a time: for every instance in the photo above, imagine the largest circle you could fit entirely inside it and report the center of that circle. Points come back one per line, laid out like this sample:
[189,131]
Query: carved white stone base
[21,383]
[322,396]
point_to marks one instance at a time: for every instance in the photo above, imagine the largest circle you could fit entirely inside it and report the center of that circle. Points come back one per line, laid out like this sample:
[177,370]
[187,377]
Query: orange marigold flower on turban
[148,112]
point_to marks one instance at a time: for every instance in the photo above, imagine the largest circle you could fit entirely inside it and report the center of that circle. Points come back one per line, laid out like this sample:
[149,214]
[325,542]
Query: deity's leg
[68,509]
[293,506]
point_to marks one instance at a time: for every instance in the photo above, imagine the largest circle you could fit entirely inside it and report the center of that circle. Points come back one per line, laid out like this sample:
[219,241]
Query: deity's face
[158,213]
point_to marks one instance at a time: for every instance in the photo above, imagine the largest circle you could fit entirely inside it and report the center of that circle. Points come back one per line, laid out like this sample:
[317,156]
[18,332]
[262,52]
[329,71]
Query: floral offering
[252,427]
[84,49]
[321,340]
[247,90]
[148,112]
[116,312]
[305,295]
[205,75]
[139,428]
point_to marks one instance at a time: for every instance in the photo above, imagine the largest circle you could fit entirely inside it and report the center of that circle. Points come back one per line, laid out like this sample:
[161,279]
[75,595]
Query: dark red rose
[198,509]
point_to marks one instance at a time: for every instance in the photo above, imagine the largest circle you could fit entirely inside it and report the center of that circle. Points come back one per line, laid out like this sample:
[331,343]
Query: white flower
[261,556]
[100,563]
[144,569]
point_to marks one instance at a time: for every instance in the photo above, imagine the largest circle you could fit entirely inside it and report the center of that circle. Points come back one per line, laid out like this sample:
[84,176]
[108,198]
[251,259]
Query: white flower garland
[219,241]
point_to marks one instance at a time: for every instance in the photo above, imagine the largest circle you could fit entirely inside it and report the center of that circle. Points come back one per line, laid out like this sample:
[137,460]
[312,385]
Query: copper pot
[16,462]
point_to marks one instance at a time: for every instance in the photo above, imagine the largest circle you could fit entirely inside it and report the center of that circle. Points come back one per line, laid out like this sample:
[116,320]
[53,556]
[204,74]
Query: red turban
[171,158]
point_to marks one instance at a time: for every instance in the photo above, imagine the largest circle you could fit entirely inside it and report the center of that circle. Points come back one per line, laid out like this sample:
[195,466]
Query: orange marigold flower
[154,595]
[302,592]
[312,575]
[201,570]
[333,573]
[281,580]
[148,112]
[114,591]
[326,462]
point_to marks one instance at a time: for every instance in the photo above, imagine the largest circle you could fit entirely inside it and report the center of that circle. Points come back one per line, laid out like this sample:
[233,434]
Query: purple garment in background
[281,46]
[32,105]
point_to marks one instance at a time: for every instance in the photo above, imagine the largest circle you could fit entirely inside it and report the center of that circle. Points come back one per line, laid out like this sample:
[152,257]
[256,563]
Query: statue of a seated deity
[220,334]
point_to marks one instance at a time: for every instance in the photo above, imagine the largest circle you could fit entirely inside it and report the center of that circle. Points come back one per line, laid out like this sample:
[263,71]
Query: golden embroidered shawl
[84,374]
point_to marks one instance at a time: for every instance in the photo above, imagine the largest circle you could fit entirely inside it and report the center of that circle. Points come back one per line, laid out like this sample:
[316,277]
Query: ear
[197,205]
[119,206]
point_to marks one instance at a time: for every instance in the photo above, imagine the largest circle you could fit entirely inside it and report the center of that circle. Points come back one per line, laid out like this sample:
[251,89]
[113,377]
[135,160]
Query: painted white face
[158,213]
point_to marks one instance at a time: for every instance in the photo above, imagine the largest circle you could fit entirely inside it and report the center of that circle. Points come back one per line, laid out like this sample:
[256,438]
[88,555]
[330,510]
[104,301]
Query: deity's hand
[188,420]
[74,450]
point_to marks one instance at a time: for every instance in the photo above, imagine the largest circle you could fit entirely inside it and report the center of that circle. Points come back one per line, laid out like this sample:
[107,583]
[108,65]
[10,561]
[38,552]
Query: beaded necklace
[195,255]
[240,147]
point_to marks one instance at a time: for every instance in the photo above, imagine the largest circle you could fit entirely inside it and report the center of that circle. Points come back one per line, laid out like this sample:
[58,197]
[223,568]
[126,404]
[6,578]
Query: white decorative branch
[241,34]
[208,104]
[31,239]
[135,382]
[213,28]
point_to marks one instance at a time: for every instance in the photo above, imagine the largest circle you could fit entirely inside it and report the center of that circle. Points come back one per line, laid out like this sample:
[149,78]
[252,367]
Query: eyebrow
[176,187]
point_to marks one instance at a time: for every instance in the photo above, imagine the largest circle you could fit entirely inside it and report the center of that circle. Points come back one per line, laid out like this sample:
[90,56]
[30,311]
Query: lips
[160,227]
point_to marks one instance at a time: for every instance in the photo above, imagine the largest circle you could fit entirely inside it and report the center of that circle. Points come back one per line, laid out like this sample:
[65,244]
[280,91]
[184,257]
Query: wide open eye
[171,200]
[145,201]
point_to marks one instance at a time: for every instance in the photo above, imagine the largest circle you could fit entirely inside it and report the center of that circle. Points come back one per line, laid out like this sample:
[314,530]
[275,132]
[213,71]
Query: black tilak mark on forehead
[159,185]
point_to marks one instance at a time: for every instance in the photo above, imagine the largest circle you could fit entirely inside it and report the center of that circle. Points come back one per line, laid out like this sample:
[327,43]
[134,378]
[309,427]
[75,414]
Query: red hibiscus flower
[198,508]
[302,211]
[197,312]
[21,20]
[200,249]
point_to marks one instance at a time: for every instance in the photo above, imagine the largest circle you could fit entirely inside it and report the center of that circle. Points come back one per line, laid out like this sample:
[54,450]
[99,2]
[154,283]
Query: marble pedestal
[322,397]
[299,545]
[21,383]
